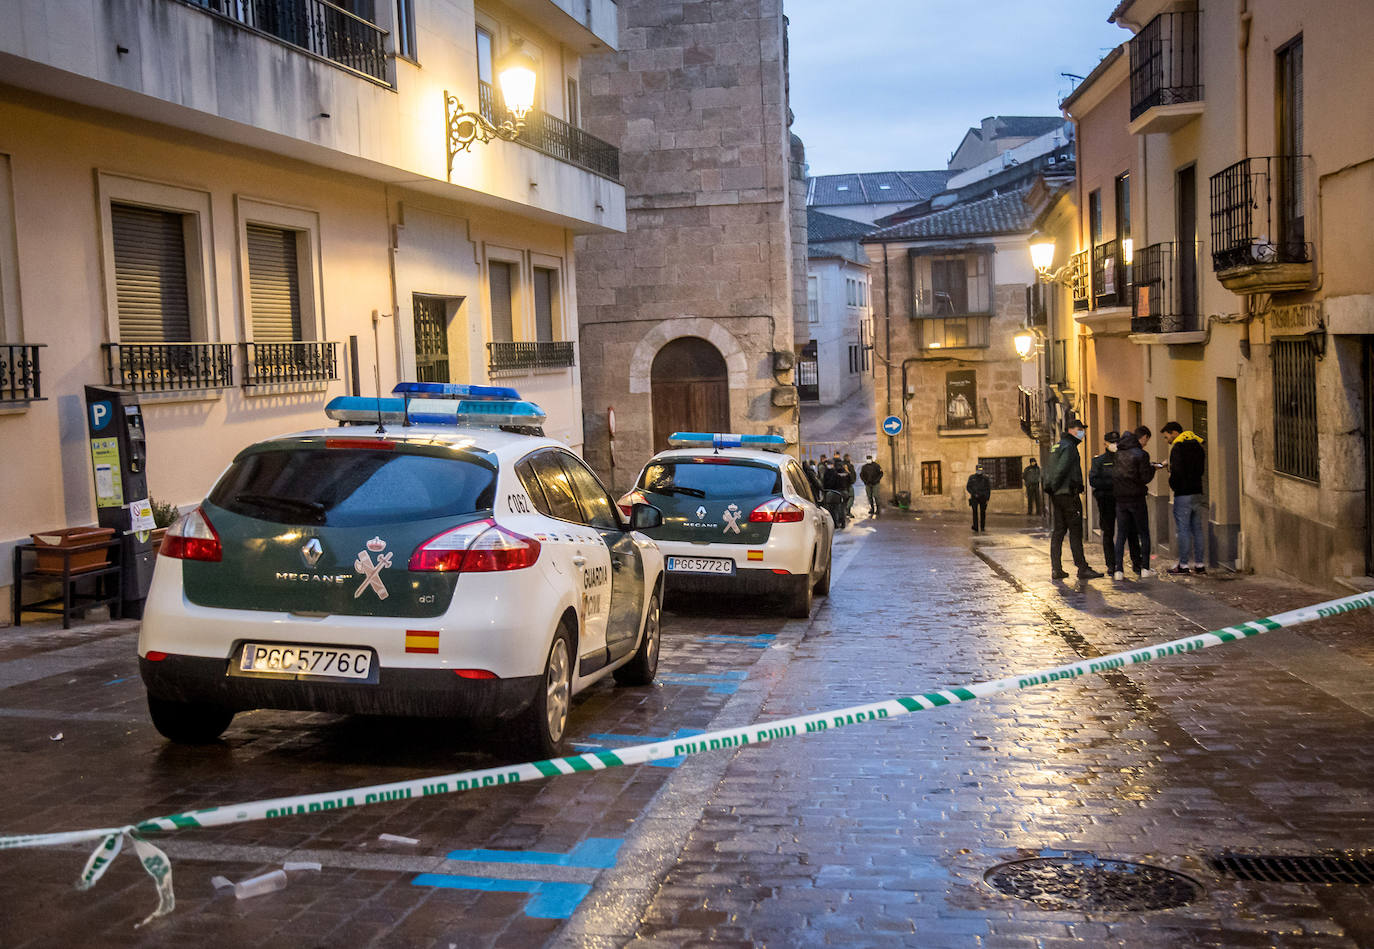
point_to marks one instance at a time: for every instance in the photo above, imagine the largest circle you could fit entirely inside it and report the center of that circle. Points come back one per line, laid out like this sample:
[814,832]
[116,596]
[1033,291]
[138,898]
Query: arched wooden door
[689,389]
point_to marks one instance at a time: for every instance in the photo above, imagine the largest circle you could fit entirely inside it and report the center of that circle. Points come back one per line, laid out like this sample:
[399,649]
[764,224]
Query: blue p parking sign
[101,412]
[892,425]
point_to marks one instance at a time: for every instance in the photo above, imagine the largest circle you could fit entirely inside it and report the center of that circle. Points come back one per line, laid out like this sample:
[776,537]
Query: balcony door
[432,318]
[1292,223]
[1185,196]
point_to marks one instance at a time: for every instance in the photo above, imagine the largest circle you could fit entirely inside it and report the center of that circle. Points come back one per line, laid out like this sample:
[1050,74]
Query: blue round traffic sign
[892,425]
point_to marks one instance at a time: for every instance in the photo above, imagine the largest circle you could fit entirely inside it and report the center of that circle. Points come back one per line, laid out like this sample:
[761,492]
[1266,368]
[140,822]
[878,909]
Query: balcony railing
[169,367]
[553,137]
[19,372]
[514,357]
[1157,306]
[1080,270]
[1109,274]
[1031,403]
[962,417]
[327,30]
[1257,213]
[269,363]
[1164,63]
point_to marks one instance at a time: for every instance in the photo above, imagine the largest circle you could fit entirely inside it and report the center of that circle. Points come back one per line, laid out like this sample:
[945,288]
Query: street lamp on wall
[1024,342]
[515,76]
[1042,253]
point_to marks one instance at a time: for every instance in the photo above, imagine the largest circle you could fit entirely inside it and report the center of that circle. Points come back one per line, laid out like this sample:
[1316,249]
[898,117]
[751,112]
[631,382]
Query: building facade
[834,343]
[239,211]
[687,317]
[949,295]
[1241,185]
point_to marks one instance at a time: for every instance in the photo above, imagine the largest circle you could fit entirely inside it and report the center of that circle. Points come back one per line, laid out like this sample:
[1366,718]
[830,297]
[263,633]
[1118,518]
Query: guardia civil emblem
[731,517]
[364,565]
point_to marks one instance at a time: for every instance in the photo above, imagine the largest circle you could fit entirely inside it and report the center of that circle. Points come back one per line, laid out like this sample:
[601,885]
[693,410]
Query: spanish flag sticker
[422,640]
[755,555]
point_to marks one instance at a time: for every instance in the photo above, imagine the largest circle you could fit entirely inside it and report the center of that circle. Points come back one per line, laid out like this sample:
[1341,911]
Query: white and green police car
[419,561]
[738,516]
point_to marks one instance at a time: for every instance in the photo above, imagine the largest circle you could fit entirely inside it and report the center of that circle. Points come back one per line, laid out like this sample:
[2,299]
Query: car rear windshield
[352,488]
[713,479]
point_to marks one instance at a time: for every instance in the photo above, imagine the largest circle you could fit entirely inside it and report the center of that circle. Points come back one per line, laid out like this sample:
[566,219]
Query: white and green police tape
[157,865]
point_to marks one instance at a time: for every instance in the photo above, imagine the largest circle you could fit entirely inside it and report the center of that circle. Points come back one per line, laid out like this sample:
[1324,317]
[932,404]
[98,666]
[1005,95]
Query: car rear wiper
[680,489]
[313,509]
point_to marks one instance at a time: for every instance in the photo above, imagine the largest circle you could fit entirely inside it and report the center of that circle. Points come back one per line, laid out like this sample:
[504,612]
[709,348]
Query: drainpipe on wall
[887,362]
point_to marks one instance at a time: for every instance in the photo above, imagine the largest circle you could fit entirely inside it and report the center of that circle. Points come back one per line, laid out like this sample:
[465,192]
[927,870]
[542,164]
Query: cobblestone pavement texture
[874,835]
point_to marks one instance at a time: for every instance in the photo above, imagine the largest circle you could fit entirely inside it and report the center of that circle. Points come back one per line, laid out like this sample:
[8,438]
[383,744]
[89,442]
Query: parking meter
[119,460]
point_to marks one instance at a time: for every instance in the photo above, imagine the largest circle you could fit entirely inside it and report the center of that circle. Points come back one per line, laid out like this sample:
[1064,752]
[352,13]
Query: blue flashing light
[727,440]
[454,390]
[470,413]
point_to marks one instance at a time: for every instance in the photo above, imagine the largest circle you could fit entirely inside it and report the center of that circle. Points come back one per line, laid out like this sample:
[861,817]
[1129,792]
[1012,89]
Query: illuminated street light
[1024,342]
[1042,253]
[515,74]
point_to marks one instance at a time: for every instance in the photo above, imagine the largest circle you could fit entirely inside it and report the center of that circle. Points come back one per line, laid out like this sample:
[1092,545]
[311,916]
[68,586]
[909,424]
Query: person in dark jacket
[870,474]
[979,490]
[851,475]
[1131,477]
[1031,479]
[833,484]
[1187,468]
[1063,482]
[809,469]
[1100,480]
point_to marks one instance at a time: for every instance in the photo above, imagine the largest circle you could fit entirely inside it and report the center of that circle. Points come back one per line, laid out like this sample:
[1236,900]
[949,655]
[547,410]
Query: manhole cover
[1089,883]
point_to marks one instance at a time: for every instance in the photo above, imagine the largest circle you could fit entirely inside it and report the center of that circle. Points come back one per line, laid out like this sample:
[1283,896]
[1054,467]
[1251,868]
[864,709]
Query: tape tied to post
[156,863]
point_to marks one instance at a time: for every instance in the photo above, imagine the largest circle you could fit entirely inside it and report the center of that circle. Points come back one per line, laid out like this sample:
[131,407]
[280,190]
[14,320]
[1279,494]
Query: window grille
[1295,409]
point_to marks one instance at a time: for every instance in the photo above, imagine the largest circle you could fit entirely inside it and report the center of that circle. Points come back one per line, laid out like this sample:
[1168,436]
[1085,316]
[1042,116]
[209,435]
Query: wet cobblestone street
[874,835]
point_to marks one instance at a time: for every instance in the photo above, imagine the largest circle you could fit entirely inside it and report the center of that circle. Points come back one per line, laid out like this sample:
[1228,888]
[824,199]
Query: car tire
[189,723]
[799,602]
[541,726]
[823,585]
[641,669]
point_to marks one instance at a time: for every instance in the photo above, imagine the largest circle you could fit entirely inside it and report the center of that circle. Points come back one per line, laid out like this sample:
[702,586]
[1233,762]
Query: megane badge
[312,551]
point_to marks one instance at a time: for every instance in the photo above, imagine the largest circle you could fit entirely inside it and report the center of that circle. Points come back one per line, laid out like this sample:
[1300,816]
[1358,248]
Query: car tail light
[479,547]
[475,674]
[155,656]
[628,502]
[777,511]
[192,538]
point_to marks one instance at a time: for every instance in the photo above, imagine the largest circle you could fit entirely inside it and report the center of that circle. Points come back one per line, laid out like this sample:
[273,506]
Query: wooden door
[689,390]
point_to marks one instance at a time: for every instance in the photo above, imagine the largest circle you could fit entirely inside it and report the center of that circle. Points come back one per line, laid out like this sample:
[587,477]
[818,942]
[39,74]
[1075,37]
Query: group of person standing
[1120,479]
[838,475]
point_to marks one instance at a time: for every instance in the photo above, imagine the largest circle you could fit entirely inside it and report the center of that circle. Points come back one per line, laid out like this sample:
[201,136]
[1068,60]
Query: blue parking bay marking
[547,900]
[620,740]
[757,641]
[596,852]
[721,683]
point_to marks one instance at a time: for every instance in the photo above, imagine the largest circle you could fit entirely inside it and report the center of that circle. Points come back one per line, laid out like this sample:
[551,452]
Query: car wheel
[542,725]
[799,603]
[641,669]
[189,723]
[823,585]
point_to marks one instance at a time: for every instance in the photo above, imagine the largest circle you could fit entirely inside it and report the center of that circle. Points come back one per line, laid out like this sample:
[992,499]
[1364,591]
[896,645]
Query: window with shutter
[150,274]
[274,284]
[543,305]
[502,322]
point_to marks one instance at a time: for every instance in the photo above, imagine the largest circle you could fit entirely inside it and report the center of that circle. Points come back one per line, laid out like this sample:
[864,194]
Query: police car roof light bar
[719,440]
[454,390]
[470,413]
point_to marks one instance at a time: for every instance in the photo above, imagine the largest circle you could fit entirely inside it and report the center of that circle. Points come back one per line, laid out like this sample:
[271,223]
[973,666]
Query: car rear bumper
[427,693]
[744,581]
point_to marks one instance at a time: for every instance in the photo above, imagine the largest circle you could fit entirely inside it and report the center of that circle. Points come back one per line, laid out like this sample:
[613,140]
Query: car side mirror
[645,517]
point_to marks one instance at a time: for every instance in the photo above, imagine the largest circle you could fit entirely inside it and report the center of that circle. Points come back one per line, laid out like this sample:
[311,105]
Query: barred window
[1295,409]
[1004,472]
[931,482]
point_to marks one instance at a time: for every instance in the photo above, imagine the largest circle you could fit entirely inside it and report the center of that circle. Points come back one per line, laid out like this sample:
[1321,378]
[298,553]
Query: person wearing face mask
[1064,483]
[1131,477]
[1100,480]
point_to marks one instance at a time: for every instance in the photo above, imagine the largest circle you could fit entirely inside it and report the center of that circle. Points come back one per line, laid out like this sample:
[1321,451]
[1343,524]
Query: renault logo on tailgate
[312,551]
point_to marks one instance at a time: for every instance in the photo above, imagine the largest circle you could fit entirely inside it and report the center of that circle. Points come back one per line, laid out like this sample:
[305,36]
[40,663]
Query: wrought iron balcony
[269,363]
[553,137]
[1031,403]
[1164,63]
[516,357]
[19,373]
[318,26]
[169,367]
[1109,275]
[1259,240]
[1157,306]
[1080,270]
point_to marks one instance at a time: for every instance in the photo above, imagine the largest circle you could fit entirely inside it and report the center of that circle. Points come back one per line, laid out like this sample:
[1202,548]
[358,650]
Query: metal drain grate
[1289,869]
[1085,882]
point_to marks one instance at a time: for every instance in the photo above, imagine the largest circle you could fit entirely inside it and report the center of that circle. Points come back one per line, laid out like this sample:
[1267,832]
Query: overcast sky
[887,85]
